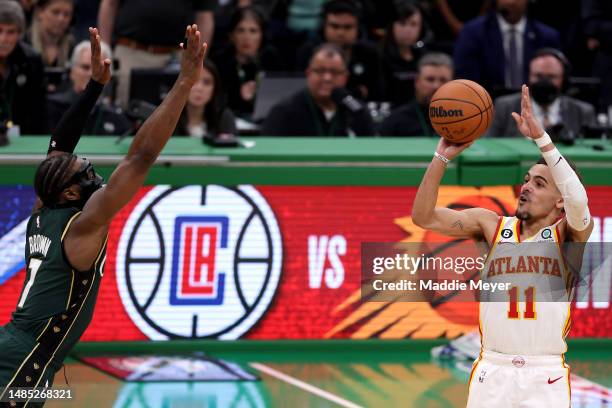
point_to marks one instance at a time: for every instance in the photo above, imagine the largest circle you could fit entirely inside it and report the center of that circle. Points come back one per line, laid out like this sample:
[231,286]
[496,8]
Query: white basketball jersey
[533,316]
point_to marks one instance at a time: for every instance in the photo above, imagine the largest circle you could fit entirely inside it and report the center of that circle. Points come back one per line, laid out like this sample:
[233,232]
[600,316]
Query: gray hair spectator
[12,14]
[412,119]
[105,119]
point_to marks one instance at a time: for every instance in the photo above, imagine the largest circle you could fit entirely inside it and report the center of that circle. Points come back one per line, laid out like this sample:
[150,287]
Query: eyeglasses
[332,72]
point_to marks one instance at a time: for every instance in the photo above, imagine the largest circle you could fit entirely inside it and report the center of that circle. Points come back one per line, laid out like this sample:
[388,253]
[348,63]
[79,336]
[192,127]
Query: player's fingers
[197,42]
[203,49]
[194,31]
[97,48]
[527,99]
[517,118]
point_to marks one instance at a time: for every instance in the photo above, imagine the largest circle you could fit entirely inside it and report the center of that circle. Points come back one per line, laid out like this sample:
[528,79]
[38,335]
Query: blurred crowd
[308,67]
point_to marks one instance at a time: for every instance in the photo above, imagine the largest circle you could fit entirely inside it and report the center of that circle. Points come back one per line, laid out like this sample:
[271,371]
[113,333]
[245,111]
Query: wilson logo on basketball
[440,112]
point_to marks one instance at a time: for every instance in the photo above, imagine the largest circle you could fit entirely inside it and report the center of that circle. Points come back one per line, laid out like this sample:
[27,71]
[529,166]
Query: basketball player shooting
[67,231]
[521,363]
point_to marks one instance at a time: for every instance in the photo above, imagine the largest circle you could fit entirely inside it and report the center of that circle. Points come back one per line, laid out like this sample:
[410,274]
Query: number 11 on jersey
[513,312]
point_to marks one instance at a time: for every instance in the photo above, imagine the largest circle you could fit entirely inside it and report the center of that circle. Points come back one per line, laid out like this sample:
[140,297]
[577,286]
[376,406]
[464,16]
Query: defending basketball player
[521,362]
[67,232]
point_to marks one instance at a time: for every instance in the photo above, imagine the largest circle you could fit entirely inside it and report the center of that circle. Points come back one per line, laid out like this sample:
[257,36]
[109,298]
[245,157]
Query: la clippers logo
[194,280]
[199,261]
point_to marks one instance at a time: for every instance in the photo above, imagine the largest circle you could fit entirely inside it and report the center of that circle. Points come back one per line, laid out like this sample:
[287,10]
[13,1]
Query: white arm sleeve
[575,201]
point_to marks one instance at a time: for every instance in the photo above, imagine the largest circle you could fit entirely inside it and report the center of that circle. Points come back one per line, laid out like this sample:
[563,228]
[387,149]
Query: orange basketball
[461,111]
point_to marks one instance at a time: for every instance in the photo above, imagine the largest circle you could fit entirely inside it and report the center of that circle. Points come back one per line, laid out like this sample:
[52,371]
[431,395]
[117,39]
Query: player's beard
[523,215]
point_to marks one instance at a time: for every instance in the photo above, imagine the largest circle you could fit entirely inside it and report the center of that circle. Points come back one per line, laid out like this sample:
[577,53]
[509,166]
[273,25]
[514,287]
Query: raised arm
[578,223]
[475,223]
[148,143]
[70,127]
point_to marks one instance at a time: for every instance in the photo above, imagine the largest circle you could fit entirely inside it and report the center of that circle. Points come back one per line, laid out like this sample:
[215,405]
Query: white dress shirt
[553,112]
[505,28]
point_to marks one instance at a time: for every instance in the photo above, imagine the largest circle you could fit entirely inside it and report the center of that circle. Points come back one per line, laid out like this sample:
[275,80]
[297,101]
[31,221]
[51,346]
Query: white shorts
[508,381]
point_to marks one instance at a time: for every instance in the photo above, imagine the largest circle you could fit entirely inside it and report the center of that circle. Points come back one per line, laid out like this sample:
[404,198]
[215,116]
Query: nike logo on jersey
[560,158]
[555,380]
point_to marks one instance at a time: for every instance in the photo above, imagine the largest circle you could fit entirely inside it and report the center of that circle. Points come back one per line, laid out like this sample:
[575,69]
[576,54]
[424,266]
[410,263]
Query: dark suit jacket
[23,92]
[479,50]
[103,120]
[299,116]
[574,115]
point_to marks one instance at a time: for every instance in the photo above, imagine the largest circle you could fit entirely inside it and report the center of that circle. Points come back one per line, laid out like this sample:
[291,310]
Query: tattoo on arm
[457,224]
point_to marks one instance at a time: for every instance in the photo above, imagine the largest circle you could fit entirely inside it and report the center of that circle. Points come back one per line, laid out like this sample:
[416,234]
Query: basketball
[461,111]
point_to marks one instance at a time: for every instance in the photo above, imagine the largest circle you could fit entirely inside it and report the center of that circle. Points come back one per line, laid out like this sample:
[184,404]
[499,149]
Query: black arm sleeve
[68,130]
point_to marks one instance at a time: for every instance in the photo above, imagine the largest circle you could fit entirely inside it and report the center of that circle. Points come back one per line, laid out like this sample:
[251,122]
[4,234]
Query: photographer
[563,117]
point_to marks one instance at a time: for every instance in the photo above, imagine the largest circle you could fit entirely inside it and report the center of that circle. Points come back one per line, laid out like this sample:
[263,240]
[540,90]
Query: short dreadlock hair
[51,177]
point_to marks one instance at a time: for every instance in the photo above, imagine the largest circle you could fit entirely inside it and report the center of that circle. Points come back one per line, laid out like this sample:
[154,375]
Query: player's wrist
[441,157]
[543,141]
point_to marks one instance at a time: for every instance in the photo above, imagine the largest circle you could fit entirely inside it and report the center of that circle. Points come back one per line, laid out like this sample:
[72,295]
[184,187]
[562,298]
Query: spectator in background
[50,31]
[223,15]
[597,17]
[28,9]
[402,47]
[341,27]
[22,87]
[206,113]
[245,59]
[104,119]
[449,17]
[562,116]
[147,32]
[85,16]
[494,50]
[319,110]
[412,119]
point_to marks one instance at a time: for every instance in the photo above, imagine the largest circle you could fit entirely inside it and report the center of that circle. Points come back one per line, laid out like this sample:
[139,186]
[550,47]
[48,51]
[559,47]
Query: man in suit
[562,116]
[494,49]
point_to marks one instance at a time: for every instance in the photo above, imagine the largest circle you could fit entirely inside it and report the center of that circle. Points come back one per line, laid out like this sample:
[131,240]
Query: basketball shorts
[507,381]
[22,365]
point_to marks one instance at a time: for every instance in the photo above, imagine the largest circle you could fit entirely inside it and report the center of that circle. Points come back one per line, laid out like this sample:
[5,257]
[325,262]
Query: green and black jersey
[57,302]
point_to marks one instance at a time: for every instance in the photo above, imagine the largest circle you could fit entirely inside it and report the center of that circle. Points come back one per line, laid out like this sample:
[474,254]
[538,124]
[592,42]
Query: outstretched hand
[193,54]
[451,150]
[526,122]
[100,69]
